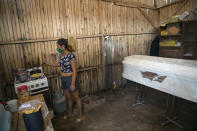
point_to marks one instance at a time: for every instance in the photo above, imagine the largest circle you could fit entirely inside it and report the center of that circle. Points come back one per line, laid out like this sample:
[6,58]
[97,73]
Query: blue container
[34,121]
[59,104]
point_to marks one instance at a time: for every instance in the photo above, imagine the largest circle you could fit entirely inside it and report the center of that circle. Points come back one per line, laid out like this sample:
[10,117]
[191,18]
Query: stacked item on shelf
[179,40]
[171,29]
[175,43]
[190,15]
[170,40]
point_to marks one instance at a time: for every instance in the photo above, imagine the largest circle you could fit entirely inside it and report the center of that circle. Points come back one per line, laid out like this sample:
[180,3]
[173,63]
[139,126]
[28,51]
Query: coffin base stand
[172,111]
[140,95]
[171,120]
[172,105]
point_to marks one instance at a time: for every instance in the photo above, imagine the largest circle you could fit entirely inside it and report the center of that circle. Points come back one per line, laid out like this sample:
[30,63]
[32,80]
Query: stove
[35,80]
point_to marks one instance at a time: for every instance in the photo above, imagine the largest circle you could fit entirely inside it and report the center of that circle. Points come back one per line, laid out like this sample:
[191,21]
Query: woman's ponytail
[70,48]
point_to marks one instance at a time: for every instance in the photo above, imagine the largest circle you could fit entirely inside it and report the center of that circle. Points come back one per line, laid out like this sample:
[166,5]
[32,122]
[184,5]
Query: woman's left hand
[72,87]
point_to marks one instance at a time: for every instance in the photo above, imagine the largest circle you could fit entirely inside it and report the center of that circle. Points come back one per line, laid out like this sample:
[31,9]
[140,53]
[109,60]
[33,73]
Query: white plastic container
[183,15]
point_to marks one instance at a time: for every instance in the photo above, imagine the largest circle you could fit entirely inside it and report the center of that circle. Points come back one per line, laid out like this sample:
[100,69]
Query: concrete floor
[113,111]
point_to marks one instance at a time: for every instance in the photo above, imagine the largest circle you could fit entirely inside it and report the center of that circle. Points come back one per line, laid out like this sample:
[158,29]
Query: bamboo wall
[29,30]
[161,3]
[176,9]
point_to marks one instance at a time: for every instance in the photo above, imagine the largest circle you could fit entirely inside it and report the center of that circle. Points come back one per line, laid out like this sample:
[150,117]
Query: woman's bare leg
[78,100]
[69,101]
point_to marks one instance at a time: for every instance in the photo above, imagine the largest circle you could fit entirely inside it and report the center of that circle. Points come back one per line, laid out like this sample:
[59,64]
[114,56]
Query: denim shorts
[66,83]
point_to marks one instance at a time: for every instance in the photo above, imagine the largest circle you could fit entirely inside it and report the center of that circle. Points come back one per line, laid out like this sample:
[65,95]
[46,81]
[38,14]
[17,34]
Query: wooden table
[18,122]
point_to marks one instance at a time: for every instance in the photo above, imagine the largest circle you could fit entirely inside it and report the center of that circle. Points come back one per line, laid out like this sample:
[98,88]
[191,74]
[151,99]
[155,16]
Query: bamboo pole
[78,70]
[78,37]
[130,4]
[147,18]
[170,4]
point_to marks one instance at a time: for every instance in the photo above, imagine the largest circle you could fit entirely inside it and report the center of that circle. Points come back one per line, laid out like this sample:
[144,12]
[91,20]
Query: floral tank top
[65,62]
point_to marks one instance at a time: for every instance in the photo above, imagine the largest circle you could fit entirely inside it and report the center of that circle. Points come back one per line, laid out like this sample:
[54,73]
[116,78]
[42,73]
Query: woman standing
[67,63]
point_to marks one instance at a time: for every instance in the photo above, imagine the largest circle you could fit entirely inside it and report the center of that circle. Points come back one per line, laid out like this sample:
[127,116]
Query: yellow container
[164,33]
[168,43]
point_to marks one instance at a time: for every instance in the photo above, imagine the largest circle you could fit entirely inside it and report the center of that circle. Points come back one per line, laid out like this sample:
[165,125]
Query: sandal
[68,116]
[78,120]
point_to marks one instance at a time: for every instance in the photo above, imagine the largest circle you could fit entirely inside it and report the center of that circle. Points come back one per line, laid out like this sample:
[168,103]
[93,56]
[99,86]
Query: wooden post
[147,18]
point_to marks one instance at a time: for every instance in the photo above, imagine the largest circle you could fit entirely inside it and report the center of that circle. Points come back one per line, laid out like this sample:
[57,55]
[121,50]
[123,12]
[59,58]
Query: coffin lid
[177,67]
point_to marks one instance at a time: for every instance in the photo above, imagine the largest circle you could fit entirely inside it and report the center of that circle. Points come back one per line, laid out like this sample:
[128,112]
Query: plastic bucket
[34,121]
[12,105]
[59,104]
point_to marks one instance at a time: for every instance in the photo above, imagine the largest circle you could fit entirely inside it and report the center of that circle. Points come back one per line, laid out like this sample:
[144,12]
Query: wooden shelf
[177,22]
[170,47]
[188,57]
[189,44]
[189,32]
[187,37]
[191,41]
[172,36]
[189,21]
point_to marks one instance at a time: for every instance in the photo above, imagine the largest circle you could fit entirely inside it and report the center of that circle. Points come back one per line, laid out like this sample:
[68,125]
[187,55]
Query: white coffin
[174,76]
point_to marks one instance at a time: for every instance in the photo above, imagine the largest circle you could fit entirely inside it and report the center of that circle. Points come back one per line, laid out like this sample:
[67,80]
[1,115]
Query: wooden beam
[155,3]
[130,4]
[183,4]
[172,3]
[134,5]
[78,70]
[120,34]
[78,37]
[140,5]
[49,39]
[147,18]
[84,69]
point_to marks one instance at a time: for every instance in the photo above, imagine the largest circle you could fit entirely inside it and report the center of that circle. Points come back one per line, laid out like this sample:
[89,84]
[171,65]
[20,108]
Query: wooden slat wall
[22,20]
[168,11]
[161,3]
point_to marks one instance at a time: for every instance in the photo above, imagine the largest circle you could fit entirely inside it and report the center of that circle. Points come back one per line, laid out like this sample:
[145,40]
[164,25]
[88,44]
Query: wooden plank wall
[176,9]
[161,3]
[29,29]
